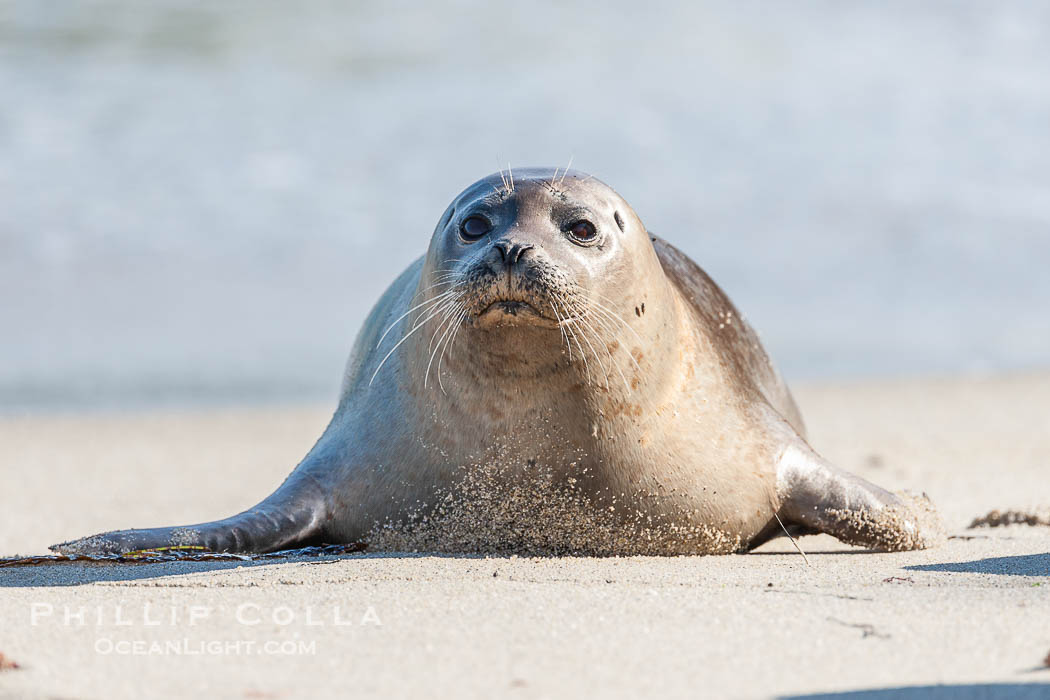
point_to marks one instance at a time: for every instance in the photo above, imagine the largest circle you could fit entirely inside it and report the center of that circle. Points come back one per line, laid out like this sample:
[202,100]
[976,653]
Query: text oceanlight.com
[200,630]
[187,647]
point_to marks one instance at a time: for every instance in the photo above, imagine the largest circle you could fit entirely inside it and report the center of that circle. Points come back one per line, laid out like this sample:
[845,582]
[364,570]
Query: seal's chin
[512,312]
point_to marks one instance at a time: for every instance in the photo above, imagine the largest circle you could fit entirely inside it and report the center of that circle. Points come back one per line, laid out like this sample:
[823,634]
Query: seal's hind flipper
[820,496]
[291,517]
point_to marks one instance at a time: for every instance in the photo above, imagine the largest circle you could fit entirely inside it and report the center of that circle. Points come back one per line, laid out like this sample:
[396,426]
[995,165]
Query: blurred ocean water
[200,201]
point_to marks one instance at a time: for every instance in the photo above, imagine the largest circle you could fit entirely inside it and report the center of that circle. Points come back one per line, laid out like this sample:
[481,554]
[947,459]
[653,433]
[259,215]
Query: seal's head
[535,247]
[536,268]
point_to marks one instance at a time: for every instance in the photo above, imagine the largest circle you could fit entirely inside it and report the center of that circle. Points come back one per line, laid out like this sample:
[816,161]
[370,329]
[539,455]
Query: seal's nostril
[518,252]
[510,253]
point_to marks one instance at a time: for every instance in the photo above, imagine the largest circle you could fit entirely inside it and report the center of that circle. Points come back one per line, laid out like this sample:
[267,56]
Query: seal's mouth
[510,307]
[503,312]
[512,296]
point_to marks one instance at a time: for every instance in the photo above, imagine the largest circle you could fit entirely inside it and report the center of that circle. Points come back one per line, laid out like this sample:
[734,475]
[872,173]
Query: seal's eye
[582,231]
[474,227]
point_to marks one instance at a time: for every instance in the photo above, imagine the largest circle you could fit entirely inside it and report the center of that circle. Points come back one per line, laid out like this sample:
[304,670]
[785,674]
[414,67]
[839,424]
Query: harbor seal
[553,378]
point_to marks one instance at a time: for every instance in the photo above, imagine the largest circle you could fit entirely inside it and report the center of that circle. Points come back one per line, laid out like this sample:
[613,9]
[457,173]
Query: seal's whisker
[445,270]
[572,332]
[448,308]
[502,177]
[583,355]
[593,293]
[449,270]
[408,335]
[442,283]
[579,331]
[615,335]
[561,328]
[453,267]
[562,180]
[583,329]
[568,317]
[448,329]
[449,286]
[428,302]
[596,293]
[447,276]
[458,323]
[613,331]
[450,277]
[612,313]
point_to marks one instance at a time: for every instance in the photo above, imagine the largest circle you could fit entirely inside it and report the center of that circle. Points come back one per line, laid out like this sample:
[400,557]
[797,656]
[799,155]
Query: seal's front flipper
[291,517]
[816,494]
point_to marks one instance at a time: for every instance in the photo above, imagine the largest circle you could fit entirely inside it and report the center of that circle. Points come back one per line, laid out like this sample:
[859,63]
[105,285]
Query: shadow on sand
[956,692]
[1021,565]
[47,575]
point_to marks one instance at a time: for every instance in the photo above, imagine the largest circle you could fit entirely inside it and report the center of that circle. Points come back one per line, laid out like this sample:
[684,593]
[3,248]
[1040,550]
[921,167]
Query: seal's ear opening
[619,220]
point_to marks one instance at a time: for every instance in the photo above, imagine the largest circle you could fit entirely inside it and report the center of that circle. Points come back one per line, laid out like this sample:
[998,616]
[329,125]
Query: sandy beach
[968,619]
[200,203]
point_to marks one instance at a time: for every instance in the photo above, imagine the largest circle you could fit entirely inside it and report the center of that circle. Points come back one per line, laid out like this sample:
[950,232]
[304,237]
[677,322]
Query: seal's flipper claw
[818,495]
